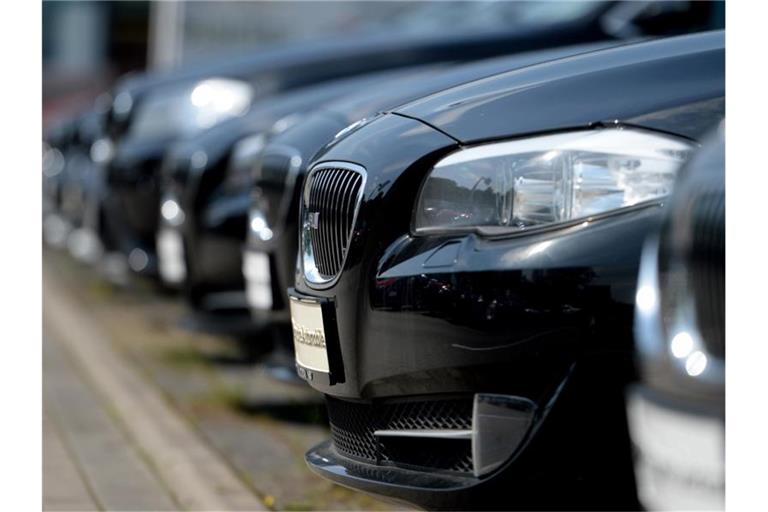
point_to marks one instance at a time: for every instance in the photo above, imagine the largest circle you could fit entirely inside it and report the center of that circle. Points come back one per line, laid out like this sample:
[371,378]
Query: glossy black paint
[668,78]
[222,207]
[277,193]
[512,314]
[296,66]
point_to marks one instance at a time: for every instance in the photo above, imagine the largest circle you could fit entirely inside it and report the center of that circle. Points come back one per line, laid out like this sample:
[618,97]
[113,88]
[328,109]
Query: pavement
[112,441]
[142,414]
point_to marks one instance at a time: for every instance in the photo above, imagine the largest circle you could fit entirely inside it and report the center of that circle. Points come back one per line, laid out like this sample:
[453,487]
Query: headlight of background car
[526,183]
[191,109]
[244,156]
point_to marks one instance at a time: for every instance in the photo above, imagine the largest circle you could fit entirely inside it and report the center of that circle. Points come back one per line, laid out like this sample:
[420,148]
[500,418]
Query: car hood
[662,84]
[421,82]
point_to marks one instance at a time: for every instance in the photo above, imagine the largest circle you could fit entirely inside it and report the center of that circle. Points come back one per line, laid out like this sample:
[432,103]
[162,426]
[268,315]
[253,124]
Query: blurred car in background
[83,185]
[207,182]
[467,269]
[677,412]
[56,142]
[68,173]
[150,112]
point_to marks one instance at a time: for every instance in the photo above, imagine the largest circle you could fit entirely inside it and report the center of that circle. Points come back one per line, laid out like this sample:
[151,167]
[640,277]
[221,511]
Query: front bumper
[680,451]
[517,317]
[398,484]
[269,255]
[462,314]
[211,258]
[574,444]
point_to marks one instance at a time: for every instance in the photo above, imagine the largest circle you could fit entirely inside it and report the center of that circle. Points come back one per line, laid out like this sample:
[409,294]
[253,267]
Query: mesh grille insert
[353,425]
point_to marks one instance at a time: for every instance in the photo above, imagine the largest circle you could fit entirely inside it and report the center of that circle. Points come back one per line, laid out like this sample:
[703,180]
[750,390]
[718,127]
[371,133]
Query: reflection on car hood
[418,84]
[628,83]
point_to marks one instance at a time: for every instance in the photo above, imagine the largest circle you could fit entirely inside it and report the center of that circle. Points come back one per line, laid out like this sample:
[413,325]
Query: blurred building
[86,45]
[185,32]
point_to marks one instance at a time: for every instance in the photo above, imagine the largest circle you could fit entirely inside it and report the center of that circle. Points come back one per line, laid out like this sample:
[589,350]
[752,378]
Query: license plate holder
[315,338]
[172,260]
[258,281]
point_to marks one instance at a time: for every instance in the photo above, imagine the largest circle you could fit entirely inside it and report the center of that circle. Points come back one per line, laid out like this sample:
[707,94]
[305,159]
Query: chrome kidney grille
[331,198]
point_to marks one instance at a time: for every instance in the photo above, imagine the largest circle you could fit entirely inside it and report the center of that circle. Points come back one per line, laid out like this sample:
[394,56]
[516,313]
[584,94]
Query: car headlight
[245,153]
[550,179]
[191,109]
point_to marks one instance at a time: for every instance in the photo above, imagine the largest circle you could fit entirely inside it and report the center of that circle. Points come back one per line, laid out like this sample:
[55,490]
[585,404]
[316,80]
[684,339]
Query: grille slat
[333,199]
[350,202]
[312,201]
[322,194]
[325,225]
[341,220]
[333,225]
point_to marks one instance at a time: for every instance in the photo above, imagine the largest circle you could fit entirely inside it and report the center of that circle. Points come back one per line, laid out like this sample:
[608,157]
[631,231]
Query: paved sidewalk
[89,461]
[63,485]
[111,441]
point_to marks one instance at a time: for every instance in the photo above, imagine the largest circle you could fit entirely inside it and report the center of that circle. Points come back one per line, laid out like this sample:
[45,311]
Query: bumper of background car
[269,255]
[171,259]
[212,253]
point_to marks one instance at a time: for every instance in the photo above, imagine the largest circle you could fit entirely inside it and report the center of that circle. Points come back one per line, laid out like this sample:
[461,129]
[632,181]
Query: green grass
[182,357]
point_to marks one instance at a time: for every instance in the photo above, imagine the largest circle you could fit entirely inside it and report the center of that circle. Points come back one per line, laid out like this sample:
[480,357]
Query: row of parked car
[499,255]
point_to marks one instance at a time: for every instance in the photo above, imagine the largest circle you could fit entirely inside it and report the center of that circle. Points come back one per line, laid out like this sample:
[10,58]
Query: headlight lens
[245,153]
[550,179]
[188,110]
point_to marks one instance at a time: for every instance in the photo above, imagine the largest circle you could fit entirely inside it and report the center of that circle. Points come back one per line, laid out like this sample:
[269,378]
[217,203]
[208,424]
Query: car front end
[466,280]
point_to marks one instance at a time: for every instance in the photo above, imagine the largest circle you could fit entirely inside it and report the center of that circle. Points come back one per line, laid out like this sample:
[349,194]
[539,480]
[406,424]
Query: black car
[150,112]
[467,270]
[677,412]
[271,246]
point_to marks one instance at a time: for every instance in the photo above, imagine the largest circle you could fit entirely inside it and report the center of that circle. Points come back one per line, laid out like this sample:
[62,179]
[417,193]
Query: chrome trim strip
[428,433]
[294,165]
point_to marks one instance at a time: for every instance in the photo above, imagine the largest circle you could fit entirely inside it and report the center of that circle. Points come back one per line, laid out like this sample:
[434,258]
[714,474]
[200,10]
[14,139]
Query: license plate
[258,285]
[309,334]
[170,252]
